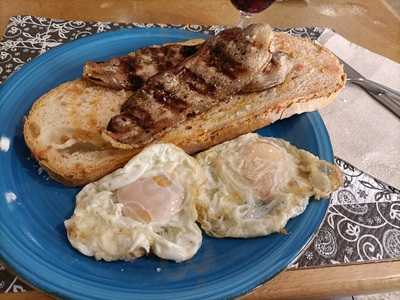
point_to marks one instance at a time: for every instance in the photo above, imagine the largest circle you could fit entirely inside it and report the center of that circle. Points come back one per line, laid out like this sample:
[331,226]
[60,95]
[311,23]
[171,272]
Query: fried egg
[146,206]
[256,184]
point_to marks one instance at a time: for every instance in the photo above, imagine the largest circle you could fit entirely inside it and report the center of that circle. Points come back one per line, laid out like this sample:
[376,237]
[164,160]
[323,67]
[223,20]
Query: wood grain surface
[372,24]
[307,284]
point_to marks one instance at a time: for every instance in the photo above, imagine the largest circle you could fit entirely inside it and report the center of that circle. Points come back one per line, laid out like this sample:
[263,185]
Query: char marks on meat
[222,67]
[130,72]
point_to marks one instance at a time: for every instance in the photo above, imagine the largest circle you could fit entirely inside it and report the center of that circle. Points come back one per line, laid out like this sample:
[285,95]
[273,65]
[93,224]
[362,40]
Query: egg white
[256,184]
[99,228]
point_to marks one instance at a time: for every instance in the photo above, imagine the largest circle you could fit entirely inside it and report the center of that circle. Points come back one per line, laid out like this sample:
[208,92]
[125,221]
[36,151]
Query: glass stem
[245,19]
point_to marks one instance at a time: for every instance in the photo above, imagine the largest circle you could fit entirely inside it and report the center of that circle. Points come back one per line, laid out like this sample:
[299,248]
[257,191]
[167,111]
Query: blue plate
[33,207]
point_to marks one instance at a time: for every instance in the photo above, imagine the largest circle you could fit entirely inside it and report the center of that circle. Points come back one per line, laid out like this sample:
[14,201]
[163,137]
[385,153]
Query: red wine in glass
[249,7]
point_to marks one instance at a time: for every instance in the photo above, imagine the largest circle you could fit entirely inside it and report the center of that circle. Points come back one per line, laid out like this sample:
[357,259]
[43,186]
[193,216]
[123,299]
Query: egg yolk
[264,167]
[151,199]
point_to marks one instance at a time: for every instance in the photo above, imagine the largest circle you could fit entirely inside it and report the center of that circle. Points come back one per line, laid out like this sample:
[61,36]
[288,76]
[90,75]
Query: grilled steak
[222,67]
[273,74]
[132,71]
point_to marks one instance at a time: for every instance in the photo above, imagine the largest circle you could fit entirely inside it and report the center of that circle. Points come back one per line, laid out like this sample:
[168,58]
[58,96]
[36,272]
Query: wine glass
[248,8]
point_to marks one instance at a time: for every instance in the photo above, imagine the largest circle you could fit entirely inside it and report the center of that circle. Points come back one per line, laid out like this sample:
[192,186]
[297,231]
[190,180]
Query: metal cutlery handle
[384,95]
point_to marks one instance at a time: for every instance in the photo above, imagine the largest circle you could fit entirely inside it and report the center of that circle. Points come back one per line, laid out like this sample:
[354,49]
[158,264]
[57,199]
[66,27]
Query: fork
[388,97]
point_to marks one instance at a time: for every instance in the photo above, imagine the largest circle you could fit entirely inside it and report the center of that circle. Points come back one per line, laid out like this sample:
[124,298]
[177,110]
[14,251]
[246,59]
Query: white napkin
[362,131]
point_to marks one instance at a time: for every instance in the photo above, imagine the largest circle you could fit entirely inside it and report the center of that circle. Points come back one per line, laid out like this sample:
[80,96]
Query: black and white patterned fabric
[362,223]
[363,220]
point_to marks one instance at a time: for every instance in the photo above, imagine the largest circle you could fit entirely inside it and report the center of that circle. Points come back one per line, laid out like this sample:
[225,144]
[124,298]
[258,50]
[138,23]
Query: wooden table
[372,24]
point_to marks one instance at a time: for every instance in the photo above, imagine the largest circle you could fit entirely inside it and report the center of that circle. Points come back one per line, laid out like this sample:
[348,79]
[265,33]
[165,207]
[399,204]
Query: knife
[386,96]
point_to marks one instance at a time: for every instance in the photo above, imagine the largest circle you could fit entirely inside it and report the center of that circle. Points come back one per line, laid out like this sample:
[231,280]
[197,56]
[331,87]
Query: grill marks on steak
[223,62]
[197,83]
[220,68]
[138,114]
[168,98]
[132,71]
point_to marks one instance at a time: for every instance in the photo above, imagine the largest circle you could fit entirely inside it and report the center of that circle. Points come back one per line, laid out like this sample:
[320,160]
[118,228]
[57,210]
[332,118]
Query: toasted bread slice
[63,132]
[64,126]
[315,80]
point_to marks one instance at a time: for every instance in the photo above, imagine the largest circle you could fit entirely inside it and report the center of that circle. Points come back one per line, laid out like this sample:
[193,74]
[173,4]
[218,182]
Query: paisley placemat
[363,221]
